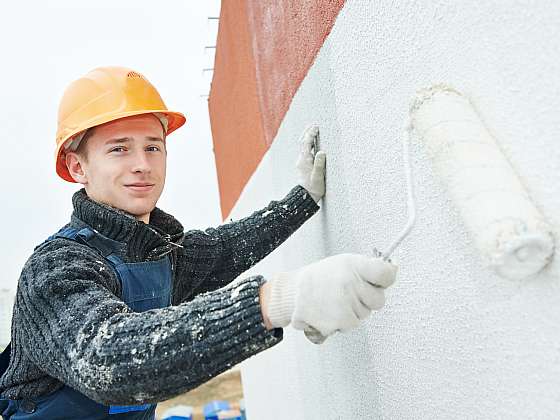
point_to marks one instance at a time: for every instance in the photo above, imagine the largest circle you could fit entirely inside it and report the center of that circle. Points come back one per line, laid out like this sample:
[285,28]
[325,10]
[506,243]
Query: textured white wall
[454,340]
[7,297]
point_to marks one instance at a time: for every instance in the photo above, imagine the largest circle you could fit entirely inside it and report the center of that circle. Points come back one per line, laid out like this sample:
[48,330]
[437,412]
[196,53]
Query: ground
[226,386]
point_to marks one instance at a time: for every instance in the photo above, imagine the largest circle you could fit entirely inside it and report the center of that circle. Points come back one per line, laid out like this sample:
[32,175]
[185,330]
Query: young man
[121,308]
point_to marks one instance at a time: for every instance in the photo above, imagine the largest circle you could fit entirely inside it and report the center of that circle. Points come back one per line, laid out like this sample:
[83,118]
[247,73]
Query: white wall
[454,340]
[6,306]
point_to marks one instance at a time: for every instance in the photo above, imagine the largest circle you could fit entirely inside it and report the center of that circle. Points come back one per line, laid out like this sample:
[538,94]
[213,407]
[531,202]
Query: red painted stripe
[264,50]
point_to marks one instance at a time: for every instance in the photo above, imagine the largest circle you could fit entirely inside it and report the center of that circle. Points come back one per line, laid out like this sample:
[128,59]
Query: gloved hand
[332,294]
[311,164]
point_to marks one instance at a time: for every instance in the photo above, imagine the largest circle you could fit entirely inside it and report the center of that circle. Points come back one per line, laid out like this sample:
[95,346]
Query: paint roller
[509,231]
[511,234]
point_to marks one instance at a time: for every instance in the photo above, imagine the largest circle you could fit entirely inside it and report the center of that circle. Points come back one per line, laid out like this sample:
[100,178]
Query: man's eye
[117,149]
[153,148]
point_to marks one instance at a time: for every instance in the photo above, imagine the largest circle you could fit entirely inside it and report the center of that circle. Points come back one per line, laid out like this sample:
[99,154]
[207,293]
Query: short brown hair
[82,149]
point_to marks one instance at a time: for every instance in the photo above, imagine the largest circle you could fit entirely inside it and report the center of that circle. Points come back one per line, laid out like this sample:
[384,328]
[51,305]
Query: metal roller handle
[313,334]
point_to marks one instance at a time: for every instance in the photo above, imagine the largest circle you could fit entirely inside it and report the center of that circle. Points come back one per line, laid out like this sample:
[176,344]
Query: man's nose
[141,162]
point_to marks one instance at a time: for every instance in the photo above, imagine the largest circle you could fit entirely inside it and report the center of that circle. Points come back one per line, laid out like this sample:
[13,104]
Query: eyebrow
[128,139]
[154,138]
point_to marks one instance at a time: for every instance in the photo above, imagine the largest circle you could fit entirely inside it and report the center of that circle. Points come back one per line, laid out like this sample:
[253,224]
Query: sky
[45,45]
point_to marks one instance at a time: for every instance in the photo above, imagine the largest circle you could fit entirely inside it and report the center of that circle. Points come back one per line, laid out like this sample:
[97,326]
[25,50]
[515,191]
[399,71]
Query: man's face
[125,165]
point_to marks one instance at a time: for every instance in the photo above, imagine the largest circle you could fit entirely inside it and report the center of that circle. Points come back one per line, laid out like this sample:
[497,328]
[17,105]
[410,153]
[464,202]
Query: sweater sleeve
[215,257]
[78,331]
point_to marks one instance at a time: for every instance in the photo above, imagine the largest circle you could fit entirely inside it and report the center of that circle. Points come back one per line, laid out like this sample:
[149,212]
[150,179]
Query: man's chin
[135,206]
[139,210]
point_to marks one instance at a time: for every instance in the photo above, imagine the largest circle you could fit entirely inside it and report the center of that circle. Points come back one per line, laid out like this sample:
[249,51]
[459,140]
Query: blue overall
[145,285]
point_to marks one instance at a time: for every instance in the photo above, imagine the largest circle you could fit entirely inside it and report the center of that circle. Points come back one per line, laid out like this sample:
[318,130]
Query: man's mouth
[140,186]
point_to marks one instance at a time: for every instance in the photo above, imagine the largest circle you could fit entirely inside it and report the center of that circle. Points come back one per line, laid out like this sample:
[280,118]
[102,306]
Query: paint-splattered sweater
[70,326]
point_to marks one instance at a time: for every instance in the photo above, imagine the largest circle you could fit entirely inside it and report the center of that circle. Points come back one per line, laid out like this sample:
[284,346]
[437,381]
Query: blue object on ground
[178,412]
[212,409]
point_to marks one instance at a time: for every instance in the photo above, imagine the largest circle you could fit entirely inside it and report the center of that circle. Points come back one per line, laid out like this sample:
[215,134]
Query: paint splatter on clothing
[71,327]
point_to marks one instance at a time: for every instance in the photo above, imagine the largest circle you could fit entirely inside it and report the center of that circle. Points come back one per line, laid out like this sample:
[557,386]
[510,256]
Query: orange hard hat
[106,94]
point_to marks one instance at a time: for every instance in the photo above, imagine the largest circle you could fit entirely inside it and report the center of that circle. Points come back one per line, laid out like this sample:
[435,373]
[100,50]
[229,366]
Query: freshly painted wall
[454,340]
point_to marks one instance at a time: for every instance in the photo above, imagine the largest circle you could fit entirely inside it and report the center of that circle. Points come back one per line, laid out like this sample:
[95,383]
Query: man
[121,308]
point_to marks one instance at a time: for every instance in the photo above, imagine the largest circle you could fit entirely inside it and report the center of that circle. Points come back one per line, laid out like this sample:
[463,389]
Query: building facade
[454,340]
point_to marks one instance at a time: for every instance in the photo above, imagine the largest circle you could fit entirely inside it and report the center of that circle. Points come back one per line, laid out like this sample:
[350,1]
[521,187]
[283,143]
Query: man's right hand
[332,294]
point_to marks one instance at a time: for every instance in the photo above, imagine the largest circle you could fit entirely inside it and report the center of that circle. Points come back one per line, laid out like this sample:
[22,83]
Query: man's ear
[74,165]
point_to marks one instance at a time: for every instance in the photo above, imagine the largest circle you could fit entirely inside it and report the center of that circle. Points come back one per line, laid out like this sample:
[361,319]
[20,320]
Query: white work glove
[332,294]
[311,164]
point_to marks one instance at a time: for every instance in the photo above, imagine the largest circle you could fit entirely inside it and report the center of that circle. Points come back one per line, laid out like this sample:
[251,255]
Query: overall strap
[65,232]
[105,246]
[88,236]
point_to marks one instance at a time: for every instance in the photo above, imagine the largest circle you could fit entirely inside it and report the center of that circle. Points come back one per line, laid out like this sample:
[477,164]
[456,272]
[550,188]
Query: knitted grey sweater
[71,327]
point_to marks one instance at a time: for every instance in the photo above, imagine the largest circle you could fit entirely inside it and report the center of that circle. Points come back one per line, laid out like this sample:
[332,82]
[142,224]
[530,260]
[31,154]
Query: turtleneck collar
[143,241]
